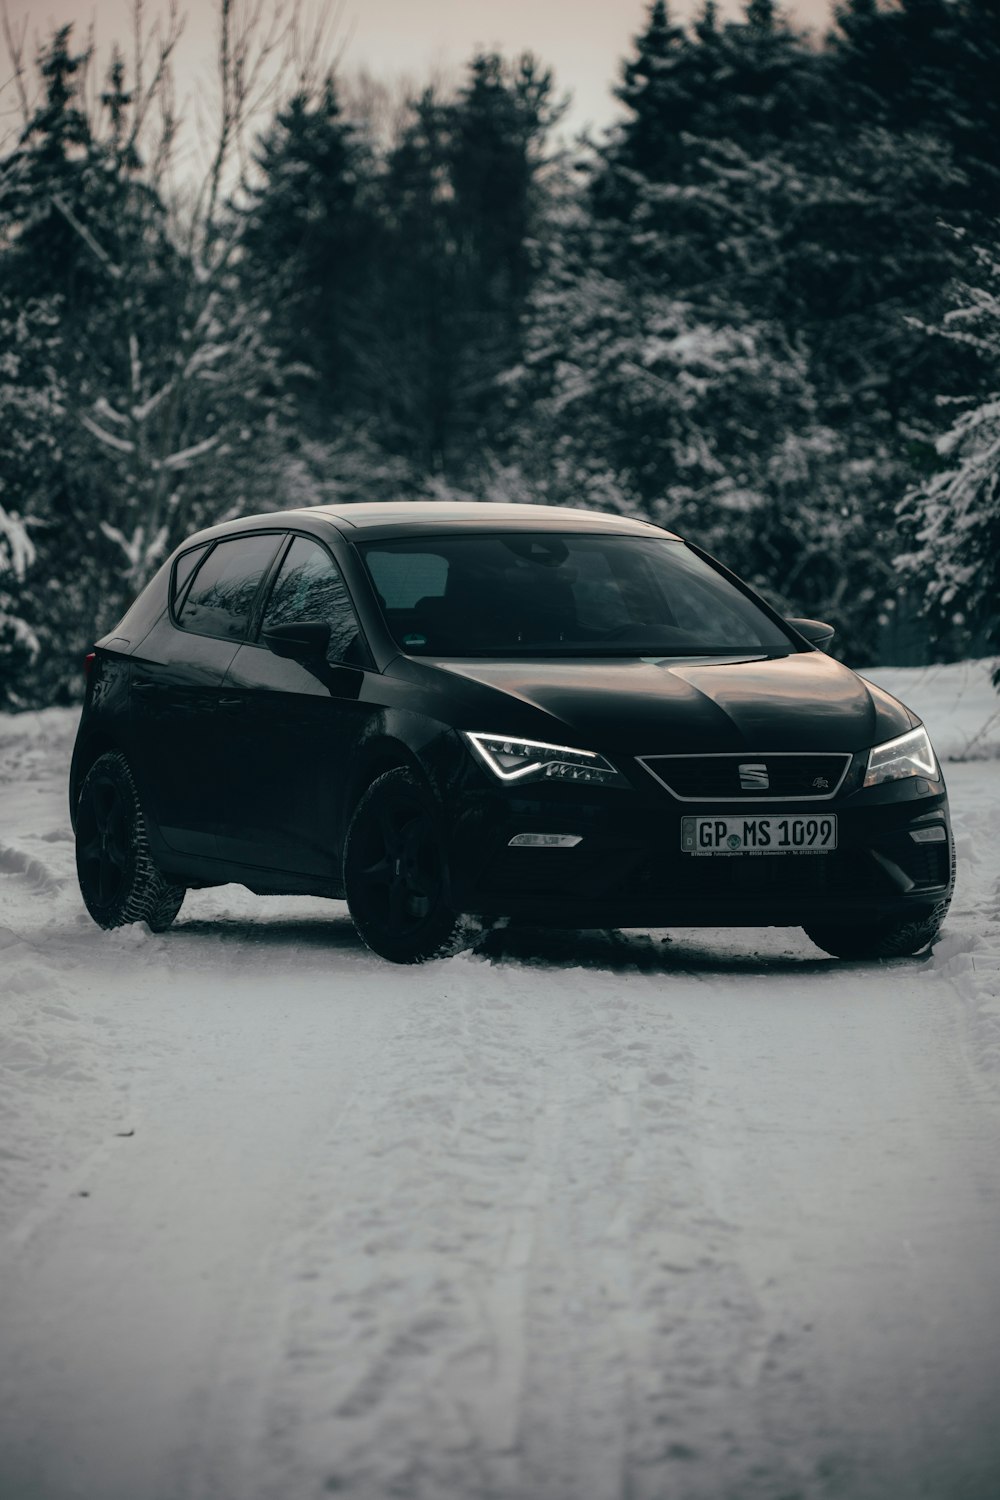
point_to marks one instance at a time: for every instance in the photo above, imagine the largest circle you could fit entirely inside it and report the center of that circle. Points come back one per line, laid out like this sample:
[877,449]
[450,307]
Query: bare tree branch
[166,134]
[109,439]
[165,382]
[92,244]
[15,52]
[165,40]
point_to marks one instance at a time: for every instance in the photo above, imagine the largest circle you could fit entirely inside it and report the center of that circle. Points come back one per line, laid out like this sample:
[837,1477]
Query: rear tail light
[88,663]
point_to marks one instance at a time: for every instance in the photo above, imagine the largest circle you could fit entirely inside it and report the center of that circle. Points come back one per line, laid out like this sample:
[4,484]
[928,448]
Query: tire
[396,874]
[118,880]
[895,939]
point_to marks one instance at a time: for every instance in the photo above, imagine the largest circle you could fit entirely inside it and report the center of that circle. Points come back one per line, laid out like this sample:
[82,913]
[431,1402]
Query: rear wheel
[894,939]
[395,873]
[118,880]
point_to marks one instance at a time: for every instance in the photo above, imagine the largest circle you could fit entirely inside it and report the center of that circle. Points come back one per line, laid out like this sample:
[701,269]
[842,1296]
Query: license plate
[768,835]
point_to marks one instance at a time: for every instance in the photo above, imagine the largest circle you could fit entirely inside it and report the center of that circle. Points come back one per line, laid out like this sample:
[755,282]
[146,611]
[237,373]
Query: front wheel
[395,873]
[118,880]
[894,939]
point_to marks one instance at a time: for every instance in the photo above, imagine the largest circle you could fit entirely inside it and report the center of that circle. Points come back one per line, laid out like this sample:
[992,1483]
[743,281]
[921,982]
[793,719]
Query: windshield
[545,594]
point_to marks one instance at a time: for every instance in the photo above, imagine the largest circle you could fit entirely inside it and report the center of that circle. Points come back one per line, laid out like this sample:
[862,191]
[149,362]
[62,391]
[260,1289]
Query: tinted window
[309,586]
[404,577]
[183,568]
[222,594]
[563,595]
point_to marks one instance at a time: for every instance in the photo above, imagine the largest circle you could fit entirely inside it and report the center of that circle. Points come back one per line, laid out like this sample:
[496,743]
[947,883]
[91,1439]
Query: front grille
[716,778]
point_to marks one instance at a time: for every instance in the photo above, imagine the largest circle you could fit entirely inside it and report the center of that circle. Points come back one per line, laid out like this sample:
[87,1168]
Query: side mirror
[816,632]
[302,640]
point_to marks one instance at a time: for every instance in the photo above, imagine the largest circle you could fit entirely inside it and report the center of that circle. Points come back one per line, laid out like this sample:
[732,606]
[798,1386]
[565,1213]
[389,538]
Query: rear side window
[221,596]
[309,586]
[183,568]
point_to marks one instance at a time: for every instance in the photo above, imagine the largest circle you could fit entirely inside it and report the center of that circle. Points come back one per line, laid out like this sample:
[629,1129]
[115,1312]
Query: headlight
[910,755]
[516,759]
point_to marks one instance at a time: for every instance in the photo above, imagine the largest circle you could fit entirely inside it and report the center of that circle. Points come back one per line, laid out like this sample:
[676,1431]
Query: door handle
[231,705]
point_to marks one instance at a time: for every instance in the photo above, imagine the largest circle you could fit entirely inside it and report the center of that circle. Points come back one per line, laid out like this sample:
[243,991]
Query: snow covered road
[698,1216]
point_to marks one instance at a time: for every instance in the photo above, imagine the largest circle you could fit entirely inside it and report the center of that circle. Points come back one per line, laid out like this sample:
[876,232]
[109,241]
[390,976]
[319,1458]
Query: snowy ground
[686,1216]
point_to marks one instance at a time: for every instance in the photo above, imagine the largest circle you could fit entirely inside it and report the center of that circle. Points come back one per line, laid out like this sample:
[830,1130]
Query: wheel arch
[85,753]
[381,755]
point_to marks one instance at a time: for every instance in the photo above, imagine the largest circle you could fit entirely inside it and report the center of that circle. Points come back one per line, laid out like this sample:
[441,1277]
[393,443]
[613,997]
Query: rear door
[299,724]
[180,717]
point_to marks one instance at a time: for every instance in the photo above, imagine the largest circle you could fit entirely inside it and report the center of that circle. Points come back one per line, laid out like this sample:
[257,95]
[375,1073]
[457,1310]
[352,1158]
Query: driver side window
[309,586]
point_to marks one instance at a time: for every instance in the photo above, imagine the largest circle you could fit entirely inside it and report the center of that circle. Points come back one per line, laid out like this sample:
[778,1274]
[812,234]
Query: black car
[500,711]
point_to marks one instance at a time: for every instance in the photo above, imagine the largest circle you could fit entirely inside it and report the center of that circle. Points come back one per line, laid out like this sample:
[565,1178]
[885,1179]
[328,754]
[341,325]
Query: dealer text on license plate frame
[771,834]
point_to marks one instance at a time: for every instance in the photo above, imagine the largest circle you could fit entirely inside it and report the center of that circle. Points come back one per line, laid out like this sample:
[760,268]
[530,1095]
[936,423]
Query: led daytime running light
[909,755]
[512,758]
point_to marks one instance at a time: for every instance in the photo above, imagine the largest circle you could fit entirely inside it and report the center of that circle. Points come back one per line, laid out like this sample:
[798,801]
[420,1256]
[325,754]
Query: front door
[299,725]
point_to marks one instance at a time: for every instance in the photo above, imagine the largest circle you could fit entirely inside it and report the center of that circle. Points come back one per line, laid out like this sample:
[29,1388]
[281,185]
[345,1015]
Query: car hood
[806,701]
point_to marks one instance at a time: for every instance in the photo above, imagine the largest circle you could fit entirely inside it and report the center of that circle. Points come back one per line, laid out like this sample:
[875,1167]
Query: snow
[668,1215]
[18,550]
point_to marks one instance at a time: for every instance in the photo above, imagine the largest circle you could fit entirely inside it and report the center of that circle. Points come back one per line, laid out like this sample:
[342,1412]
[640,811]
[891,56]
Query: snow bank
[961,709]
[30,741]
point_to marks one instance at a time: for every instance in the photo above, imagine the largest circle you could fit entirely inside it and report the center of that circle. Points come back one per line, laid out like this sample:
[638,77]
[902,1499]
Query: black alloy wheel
[395,873]
[118,880]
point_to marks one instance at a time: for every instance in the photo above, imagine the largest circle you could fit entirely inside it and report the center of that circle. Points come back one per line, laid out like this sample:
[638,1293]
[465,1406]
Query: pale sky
[582,40]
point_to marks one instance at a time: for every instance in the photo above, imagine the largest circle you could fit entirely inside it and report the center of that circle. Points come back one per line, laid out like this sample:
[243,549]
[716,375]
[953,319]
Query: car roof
[366,520]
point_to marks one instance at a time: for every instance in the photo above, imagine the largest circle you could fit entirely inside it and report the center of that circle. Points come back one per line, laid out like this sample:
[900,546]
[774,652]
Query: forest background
[763,309]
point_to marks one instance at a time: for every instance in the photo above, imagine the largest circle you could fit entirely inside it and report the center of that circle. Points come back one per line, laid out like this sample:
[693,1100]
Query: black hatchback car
[500,711]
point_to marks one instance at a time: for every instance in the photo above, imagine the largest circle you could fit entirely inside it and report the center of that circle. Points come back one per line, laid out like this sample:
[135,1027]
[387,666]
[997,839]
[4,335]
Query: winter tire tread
[443,932]
[145,894]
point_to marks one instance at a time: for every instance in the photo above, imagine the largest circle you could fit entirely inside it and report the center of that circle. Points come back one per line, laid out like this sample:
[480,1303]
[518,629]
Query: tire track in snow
[160,1293]
[390,1326]
[443,1341]
[19,863]
[636,1337]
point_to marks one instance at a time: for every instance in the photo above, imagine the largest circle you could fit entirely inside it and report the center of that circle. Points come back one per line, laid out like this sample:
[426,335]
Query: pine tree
[930,66]
[497,127]
[461,201]
[417,329]
[953,516]
[655,90]
[783,202]
[310,242]
[49,175]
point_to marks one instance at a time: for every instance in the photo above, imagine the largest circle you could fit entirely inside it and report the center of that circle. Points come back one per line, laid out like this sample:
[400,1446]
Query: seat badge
[753,777]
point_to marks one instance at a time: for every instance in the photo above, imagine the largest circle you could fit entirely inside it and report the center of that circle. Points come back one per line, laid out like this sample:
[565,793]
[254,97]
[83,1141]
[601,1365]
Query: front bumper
[628,869]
